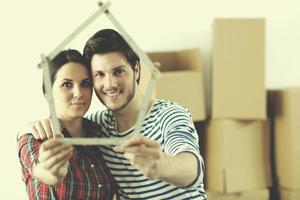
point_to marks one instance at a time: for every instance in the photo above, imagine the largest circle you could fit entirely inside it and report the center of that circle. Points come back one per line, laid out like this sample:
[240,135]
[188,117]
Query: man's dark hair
[107,41]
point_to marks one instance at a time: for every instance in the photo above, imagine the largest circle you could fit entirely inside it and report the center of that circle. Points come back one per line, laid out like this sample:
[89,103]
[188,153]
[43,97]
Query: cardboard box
[238,69]
[237,156]
[289,195]
[247,195]
[287,137]
[181,81]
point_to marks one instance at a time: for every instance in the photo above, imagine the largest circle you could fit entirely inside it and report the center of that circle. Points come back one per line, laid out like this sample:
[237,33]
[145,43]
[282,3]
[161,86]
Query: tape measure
[143,56]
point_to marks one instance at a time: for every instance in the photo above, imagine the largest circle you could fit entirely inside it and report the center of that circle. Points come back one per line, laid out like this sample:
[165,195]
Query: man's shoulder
[103,118]
[162,105]
[98,115]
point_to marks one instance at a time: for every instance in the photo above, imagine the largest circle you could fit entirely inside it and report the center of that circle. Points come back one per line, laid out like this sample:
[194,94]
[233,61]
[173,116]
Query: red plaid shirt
[87,177]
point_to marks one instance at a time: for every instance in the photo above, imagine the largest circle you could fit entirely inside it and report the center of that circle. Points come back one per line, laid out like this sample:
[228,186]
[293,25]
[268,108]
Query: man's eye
[67,84]
[99,74]
[118,72]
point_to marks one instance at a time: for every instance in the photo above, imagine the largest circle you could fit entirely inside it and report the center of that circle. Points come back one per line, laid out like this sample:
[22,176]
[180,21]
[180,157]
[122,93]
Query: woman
[53,169]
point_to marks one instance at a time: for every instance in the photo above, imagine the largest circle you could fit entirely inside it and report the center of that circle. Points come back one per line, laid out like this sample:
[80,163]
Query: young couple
[162,162]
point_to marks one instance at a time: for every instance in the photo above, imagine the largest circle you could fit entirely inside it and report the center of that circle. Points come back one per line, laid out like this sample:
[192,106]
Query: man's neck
[126,117]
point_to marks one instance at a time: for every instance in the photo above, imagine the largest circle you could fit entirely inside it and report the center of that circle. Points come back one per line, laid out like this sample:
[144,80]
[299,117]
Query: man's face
[114,80]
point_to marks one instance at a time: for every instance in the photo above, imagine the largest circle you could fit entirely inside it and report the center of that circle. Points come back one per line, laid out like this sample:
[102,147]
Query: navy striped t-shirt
[171,125]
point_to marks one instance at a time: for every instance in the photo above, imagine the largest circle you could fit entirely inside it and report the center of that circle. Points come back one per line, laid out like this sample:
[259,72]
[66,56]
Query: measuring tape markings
[155,74]
[49,96]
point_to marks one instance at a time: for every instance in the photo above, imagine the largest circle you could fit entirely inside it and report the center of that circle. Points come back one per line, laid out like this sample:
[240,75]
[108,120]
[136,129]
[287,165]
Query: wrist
[163,167]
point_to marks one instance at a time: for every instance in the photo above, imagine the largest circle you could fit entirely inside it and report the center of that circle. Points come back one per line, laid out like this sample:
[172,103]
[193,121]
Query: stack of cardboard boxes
[237,136]
[236,142]
[181,80]
[287,139]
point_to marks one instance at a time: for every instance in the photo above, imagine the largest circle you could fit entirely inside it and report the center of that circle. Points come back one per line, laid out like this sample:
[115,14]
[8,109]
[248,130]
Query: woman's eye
[67,85]
[87,84]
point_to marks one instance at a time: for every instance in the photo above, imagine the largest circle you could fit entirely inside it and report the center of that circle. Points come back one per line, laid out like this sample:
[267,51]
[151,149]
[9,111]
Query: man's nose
[111,81]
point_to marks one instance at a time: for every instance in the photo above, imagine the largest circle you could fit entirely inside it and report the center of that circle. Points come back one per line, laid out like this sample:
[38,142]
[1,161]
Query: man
[163,161]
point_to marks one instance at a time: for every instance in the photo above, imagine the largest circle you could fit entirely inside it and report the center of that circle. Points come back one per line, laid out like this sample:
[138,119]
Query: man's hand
[41,129]
[144,154]
[53,161]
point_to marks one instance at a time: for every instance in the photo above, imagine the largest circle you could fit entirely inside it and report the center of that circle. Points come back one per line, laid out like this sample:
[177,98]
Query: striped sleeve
[98,118]
[180,136]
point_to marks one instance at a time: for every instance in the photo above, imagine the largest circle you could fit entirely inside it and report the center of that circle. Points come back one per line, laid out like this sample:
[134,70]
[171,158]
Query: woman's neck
[74,127]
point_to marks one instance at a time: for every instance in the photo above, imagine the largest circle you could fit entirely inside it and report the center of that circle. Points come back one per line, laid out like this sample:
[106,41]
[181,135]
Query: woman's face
[72,91]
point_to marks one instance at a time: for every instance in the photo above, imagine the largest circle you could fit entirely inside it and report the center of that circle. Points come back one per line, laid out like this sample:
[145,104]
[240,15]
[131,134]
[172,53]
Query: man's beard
[128,99]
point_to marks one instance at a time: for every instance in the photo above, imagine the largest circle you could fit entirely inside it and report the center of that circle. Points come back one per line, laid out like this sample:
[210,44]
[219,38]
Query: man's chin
[114,108]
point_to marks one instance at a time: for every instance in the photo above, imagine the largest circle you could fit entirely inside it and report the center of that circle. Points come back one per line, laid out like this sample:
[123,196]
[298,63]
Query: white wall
[32,27]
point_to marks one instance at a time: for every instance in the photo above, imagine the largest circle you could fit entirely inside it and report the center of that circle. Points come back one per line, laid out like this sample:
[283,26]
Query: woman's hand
[53,161]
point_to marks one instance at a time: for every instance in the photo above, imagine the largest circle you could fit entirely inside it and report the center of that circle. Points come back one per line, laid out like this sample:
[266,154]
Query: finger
[135,140]
[146,165]
[129,156]
[46,155]
[137,161]
[38,131]
[52,147]
[36,134]
[58,159]
[47,127]
[140,162]
[60,169]
[54,142]
[133,159]
[63,170]
[142,150]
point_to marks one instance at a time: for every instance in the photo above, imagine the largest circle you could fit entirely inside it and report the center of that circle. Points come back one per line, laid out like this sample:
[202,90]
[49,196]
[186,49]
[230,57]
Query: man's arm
[145,154]
[40,129]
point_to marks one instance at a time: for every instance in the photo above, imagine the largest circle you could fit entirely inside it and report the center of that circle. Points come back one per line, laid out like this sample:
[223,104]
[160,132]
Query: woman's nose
[77,92]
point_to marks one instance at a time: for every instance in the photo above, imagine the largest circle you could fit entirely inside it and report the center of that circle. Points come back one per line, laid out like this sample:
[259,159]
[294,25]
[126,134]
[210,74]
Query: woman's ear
[137,71]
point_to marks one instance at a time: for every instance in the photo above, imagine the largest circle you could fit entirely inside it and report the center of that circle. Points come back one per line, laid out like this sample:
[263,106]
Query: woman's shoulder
[28,142]
[27,138]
